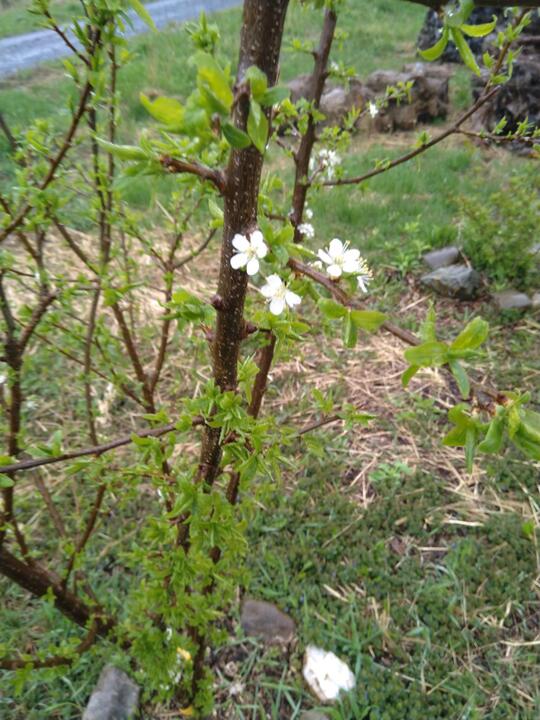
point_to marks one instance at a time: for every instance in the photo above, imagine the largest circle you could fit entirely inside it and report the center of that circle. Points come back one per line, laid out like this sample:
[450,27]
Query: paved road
[31,49]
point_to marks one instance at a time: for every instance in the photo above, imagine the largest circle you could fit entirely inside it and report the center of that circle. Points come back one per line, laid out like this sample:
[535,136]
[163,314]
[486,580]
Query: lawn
[378,543]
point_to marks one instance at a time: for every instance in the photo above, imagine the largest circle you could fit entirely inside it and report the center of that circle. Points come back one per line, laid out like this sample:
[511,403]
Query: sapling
[120,311]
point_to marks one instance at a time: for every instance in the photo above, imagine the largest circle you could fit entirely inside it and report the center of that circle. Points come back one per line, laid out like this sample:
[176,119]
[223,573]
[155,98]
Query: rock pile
[429,98]
[519,99]
[452,276]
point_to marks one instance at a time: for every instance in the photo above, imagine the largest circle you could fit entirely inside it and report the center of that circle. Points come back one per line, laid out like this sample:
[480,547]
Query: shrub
[499,235]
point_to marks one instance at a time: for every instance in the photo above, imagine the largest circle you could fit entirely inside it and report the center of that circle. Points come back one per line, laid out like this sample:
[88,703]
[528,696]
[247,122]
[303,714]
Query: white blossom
[278,295]
[307,230]
[249,252]
[308,212]
[339,259]
[364,275]
[327,161]
[373,109]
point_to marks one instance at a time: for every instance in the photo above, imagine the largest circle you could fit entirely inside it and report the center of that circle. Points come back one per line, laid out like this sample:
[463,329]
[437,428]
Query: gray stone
[458,281]
[429,96]
[535,250]
[429,99]
[313,715]
[264,620]
[511,300]
[442,258]
[536,300]
[115,697]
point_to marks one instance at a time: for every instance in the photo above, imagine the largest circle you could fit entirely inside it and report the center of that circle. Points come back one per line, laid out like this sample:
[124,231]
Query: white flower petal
[252,266]
[334,271]
[277,306]
[256,237]
[240,242]
[352,254]
[292,299]
[261,250]
[335,248]
[351,265]
[239,260]
[362,283]
[274,281]
[325,257]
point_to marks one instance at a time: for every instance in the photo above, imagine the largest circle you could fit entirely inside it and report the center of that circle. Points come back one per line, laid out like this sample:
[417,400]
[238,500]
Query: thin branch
[55,162]
[342,297]
[217,177]
[92,519]
[195,253]
[61,34]
[7,132]
[95,449]
[53,660]
[417,151]
[38,312]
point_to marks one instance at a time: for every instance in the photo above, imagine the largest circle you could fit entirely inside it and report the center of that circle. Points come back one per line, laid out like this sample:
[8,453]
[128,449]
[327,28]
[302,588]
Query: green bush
[499,235]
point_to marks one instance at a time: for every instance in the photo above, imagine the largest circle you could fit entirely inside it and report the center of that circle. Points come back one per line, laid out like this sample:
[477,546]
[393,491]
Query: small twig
[94,450]
[417,151]
[217,177]
[53,660]
[7,132]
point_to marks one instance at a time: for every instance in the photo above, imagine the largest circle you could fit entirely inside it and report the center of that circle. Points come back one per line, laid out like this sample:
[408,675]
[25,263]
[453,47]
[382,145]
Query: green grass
[432,615]
[17,19]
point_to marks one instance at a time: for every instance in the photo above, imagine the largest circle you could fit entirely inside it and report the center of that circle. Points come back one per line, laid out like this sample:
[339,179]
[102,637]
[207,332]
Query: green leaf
[530,425]
[235,137]
[350,331]
[408,375]
[492,443]
[472,336]
[526,445]
[167,111]
[213,82]
[470,447]
[332,309]
[143,13]
[479,30]
[6,482]
[465,51]
[124,152]
[429,354]
[435,52]
[461,378]
[428,331]
[258,82]
[275,95]
[368,320]
[257,126]
[456,437]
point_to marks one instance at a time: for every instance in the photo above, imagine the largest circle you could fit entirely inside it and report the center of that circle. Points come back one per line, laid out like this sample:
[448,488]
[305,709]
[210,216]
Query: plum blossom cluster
[340,260]
[327,161]
[249,251]
[338,257]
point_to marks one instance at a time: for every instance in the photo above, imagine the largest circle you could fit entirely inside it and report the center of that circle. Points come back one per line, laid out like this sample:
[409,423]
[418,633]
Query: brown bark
[303,155]
[39,581]
[260,45]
